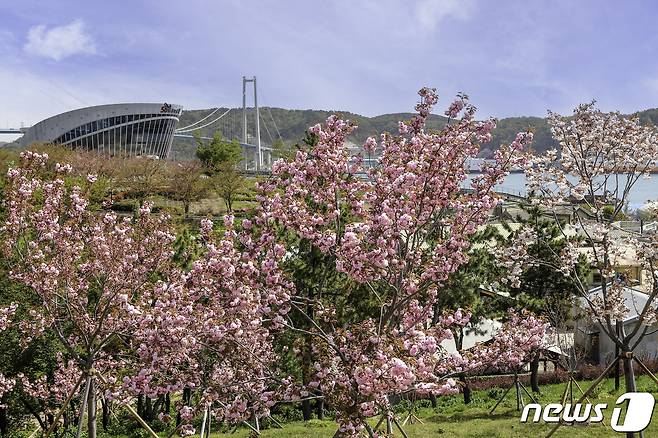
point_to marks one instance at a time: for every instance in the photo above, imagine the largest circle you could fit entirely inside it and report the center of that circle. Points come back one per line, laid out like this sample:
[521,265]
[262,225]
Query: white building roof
[484,331]
[634,300]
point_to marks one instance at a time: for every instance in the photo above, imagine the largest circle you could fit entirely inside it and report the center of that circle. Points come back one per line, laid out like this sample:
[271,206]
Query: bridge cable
[275,127]
[207,124]
[267,130]
[199,121]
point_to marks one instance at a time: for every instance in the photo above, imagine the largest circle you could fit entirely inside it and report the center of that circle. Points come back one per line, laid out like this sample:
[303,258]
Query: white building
[127,129]
[597,344]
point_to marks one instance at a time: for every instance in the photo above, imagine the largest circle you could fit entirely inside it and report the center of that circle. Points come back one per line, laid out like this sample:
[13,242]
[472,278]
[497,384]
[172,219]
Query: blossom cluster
[401,230]
[126,317]
[600,159]
[131,320]
[358,369]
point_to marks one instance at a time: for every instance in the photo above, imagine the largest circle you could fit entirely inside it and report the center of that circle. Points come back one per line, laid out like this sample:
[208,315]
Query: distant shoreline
[478,172]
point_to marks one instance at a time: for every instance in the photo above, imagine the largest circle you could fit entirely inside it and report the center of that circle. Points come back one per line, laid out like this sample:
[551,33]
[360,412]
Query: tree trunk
[467,388]
[140,405]
[157,406]
[44,424]
[4,423]
[167,404]
[209,429]
[187,396]
[83,405]
[106,413]
[306,409]
[629,377]
[459,343]
[629,373]
[186,208]
[148,410]
[534,372]
[319,408]
[91,411]
[618,328]
[433,400]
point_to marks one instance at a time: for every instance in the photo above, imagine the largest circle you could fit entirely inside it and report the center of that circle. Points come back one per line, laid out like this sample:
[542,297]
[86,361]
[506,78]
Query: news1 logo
[638,412]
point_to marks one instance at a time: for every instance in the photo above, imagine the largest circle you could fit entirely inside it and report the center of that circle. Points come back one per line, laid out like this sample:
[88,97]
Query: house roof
[484,331]
[634,300]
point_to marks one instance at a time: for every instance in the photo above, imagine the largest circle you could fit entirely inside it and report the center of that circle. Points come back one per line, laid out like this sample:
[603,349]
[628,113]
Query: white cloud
[429,13]
[59,42]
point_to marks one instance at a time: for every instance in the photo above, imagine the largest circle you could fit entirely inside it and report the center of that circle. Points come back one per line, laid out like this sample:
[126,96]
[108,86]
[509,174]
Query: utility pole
[259,153]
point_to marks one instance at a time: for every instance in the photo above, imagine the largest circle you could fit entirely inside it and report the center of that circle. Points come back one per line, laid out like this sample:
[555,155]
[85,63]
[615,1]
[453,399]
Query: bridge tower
[259,153]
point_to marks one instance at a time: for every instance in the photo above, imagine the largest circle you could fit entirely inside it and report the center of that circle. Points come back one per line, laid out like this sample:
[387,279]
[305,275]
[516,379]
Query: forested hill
[293,123]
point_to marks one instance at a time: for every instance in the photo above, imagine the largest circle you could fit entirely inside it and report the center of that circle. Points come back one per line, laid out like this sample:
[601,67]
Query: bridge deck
[244,145]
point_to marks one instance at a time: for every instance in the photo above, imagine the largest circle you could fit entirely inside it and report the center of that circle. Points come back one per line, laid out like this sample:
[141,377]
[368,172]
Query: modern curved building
[127,129]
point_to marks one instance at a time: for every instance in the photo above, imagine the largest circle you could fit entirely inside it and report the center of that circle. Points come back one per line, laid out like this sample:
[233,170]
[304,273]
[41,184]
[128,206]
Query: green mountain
[292,125]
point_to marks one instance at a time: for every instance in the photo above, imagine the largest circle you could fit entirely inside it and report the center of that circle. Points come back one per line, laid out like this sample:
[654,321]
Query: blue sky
[369,57]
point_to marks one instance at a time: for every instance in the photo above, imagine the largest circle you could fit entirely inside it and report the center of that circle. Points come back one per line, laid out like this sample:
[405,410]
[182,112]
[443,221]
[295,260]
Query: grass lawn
[453,419]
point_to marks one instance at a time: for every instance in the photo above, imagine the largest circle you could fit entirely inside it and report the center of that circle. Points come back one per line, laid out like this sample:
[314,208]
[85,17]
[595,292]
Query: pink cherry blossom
[402,232]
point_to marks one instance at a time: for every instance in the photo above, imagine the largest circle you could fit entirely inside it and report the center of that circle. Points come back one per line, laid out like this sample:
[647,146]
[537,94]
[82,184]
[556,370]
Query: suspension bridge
[246,125]
[12,131]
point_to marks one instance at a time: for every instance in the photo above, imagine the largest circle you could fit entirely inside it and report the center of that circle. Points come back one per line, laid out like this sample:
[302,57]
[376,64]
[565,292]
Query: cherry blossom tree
[211,331]
[89,270]
[601,158]
[400,228]
[129,322]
